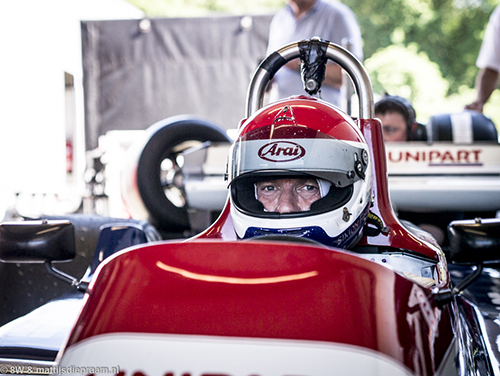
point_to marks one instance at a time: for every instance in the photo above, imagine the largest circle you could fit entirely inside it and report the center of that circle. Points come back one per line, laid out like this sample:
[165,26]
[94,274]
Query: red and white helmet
[302,137]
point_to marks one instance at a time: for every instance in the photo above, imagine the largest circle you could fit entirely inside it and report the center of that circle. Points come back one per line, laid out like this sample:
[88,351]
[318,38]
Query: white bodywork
[208,355]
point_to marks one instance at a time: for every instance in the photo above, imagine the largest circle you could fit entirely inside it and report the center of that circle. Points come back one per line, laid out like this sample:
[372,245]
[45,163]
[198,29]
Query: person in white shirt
[304,19]
[489,63]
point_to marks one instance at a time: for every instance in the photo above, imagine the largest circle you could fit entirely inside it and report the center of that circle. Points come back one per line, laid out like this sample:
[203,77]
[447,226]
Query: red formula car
[340,287]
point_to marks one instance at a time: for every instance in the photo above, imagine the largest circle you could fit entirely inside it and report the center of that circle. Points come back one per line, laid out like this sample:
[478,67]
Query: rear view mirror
[37,241]
[474,241]
[40,241]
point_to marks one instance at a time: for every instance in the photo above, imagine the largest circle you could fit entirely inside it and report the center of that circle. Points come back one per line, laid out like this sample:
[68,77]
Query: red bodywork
[249,289]
[215,285]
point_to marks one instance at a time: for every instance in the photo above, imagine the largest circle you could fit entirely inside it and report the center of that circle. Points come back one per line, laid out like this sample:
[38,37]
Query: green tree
[403,71]
[448,31]
[194,8]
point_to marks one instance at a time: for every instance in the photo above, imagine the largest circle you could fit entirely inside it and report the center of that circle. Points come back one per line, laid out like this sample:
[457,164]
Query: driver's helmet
[302,137]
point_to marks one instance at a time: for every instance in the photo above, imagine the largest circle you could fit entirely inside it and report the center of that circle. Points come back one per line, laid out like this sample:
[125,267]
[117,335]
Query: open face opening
[281,194]
[289,195]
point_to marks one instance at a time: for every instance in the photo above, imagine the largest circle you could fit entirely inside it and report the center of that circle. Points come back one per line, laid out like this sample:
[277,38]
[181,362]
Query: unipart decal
[460,157]
[281,151]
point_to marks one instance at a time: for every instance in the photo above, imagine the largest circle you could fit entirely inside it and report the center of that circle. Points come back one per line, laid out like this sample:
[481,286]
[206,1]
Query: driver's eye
[269,188]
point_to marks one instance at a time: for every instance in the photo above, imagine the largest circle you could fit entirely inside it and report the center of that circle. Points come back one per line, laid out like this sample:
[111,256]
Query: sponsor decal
[428,313]
[434,157]
[281,151]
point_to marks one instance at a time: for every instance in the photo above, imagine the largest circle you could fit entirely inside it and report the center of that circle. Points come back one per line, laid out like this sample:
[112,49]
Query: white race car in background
[174,172]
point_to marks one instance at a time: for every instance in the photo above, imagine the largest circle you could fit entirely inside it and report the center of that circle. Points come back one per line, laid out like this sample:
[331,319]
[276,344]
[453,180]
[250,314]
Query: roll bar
[269,66]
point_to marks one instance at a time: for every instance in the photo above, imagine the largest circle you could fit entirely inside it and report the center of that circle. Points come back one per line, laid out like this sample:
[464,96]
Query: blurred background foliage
[423,50]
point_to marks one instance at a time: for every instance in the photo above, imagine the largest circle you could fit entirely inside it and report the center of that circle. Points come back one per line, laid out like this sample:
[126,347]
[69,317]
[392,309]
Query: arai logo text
[281,151]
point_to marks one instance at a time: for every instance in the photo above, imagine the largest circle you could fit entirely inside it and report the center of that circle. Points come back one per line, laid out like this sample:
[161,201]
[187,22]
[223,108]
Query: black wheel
[159,178]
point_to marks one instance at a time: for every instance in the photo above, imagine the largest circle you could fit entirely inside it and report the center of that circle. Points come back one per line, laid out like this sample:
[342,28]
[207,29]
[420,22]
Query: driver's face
[288,195]
[394,126]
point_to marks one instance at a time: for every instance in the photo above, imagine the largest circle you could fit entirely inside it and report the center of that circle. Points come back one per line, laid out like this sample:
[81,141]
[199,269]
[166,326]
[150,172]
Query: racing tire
[164,143]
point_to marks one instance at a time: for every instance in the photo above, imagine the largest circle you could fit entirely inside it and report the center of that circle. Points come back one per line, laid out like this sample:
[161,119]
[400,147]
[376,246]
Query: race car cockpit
[305,137]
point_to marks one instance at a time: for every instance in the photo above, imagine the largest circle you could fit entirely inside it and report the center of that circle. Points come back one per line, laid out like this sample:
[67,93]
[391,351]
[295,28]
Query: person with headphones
[398,119]
[399,124]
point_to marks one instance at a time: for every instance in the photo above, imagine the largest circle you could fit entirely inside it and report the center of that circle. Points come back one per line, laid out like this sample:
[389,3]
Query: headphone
[395,103]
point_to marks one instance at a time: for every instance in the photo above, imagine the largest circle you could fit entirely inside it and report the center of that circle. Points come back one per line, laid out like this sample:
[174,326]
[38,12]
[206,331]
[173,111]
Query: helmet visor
[340,162]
